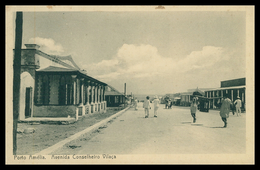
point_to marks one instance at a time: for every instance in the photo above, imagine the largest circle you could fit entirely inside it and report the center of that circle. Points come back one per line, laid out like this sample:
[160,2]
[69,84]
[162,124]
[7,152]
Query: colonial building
[233,89]
[113,97]
[54,86]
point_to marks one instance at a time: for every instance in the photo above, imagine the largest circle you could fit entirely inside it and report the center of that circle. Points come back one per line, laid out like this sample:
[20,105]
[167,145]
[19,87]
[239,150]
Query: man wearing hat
[238,104]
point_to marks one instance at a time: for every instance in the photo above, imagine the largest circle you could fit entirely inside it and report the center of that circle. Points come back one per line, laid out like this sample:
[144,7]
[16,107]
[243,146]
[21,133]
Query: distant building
[185,98]
[233,88]
[54,86]
[113,97]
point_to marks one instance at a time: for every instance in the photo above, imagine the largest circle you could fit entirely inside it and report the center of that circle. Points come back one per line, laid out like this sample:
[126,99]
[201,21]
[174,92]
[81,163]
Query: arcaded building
[54,86]
[233,88]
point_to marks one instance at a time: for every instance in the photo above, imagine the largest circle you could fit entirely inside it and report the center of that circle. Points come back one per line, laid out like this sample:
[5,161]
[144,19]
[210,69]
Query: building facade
[54,86]
[113,97]
[231,88]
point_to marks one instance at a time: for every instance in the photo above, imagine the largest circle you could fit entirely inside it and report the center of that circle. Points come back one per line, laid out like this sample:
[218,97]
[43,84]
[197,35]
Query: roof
[56,69]
[113,92]
[68,59]
[53,69]
[186,93]
[198,92]
[226,88]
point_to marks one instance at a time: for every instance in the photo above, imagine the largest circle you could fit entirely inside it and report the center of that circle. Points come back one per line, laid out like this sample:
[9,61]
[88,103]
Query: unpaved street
[171,133]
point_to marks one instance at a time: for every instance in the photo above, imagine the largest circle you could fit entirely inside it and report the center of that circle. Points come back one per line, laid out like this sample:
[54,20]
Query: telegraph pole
[16,72]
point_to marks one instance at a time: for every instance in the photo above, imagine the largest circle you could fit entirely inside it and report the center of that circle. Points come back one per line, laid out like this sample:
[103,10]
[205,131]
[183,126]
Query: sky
[152,52]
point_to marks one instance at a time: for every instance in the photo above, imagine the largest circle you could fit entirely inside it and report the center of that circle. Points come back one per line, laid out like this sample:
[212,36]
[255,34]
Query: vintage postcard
[130,85]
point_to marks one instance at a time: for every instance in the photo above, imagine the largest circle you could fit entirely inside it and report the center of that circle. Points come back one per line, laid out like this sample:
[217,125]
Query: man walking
[193,109]
[238,104]
[146,106]
[224,110]
[156,105]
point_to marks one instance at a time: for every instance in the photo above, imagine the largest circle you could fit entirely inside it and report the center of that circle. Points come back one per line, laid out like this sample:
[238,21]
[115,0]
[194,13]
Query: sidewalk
[46,135]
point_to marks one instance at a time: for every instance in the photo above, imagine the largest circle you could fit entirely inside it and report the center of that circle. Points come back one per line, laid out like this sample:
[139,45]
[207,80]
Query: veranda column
[105,103]
[96,97]
[92,97]
[213,100]
[98,93]
[95,92]
[92,92]
[87,107]
[74,88]
[231,95]
[104,89]
[75,95]
[88,86]
[82,96]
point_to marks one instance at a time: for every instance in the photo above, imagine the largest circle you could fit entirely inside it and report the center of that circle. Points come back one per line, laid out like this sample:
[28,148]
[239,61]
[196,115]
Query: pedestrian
[169,104]
[193,110]
[135,104]
[146,106]
[233,107]
[156,105]
[238,104]
[224,110]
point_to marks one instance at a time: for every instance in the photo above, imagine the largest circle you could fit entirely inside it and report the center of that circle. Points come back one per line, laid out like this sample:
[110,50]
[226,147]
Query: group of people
[147,105]
[224,109]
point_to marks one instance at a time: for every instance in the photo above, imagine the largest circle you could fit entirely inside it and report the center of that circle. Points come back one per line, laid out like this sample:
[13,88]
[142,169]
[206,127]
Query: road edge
[90,129]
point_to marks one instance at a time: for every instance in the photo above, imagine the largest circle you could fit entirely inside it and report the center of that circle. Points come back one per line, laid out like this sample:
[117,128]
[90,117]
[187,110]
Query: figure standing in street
[224,110]
[135,103]
[146,106]
[156,105]
[238,104]
[193,110]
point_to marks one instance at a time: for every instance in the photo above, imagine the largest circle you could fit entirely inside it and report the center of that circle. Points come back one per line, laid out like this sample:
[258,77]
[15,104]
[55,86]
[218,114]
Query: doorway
[28,102]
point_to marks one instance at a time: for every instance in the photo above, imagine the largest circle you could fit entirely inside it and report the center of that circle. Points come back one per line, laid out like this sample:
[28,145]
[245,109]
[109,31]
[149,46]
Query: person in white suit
[146,106]
[156,103]
[238,104]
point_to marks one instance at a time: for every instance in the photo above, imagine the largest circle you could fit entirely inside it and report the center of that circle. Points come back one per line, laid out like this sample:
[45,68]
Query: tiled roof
[61,69]
[113,93]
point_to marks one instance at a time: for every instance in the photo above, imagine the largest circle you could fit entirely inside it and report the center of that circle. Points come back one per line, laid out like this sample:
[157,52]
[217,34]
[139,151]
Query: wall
[235,82]
[54,111]
[26,81]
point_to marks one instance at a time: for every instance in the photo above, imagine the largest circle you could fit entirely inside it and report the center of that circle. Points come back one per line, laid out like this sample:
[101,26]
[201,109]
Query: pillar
[98,93]
[231,95]
[87,90]
[82,96]
[74,89]
[82,91]
[104,93]
[92,92]
[95,92]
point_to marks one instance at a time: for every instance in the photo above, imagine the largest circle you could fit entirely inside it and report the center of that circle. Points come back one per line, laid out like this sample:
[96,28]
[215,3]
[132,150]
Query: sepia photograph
[130,85]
